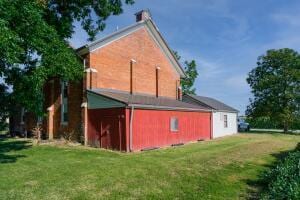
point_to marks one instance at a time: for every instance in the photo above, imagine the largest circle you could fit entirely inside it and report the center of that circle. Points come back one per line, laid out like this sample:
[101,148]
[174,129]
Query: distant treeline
[267,123]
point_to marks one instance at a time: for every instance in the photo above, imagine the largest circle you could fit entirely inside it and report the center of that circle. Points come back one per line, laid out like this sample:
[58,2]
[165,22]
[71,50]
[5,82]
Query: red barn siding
[151,128]
[114,120]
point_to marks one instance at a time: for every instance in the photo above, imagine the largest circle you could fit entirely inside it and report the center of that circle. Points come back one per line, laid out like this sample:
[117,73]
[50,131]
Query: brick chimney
[142,15]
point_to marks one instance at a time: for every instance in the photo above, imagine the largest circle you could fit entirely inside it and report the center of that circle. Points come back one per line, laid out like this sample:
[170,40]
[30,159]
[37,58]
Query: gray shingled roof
[212,103]
[147,101]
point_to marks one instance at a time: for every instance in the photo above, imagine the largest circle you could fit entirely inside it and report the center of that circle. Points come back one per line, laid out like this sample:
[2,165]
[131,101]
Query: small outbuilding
[132,122]
[224,117]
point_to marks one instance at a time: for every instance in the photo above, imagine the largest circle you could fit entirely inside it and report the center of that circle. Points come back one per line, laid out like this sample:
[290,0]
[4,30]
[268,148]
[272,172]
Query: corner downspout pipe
[131,129]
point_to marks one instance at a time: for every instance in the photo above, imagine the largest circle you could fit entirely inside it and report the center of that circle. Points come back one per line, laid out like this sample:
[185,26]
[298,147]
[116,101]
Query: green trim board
[96,101]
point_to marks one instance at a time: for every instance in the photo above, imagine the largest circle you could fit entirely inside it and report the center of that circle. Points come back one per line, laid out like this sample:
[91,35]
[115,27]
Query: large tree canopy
[33,46]
[275,84]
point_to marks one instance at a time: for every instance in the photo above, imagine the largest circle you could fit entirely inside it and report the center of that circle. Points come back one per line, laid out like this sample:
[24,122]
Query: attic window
[174,124]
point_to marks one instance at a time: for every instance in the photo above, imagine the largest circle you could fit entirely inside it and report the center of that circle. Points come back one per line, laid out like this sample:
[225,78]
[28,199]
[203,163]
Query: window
[225,121]
[174,124]
[39,120]
[64,102]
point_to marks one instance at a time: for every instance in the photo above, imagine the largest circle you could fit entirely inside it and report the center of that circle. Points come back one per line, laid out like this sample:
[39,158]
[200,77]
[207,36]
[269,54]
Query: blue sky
[225,37]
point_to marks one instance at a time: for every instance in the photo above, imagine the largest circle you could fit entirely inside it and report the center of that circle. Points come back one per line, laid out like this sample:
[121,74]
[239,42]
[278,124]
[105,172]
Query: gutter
[168,108]
[131,128]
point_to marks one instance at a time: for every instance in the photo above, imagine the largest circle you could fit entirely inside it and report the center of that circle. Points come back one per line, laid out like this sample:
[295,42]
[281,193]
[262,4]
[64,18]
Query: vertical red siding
[114,117]
[151,128]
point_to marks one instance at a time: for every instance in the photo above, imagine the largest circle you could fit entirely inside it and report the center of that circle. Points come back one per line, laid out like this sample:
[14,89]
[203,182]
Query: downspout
[212,125]
[84,106]
[131,129]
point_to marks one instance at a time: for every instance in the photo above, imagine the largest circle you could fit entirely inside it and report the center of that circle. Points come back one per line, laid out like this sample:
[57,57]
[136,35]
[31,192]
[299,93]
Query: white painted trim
[90,70]
[114,36]
[84,105]
[152,30]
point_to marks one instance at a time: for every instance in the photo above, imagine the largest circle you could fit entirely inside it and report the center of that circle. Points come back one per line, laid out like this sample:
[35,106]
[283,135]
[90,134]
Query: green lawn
[226,168]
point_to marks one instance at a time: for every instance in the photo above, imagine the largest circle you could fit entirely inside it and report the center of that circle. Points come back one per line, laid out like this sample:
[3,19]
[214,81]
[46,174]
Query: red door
[109,137]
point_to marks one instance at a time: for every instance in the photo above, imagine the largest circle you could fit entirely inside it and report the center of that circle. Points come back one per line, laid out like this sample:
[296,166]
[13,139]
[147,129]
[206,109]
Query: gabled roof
[147,101]
[153,31]
[210,102]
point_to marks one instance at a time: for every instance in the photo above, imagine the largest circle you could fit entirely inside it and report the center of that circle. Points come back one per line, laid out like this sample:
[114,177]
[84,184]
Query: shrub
[284,179]
[37,133]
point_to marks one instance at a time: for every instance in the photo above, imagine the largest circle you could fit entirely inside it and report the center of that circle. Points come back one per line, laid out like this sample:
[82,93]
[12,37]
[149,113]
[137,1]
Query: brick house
[130,97]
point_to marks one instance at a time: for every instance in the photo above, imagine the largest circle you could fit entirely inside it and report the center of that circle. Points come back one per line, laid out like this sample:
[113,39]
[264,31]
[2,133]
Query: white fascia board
[228,111]
[152,30]
[113,37]
[90,70]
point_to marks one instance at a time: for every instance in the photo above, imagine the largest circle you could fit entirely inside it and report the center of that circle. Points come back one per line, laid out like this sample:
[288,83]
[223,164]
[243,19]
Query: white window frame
[64,101]
[225,121]
[173,121]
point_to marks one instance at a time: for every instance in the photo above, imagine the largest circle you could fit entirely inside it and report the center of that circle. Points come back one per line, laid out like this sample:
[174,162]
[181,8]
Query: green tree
[275,84]
[190,69]
[34,47]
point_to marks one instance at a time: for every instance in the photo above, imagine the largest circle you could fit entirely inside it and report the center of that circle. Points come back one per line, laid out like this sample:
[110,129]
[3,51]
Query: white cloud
[208,69]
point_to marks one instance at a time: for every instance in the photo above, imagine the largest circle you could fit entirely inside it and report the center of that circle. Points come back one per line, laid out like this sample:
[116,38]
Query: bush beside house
[284,179]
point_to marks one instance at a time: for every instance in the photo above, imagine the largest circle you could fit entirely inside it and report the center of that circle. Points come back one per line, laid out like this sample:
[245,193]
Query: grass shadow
[8,147]
[257,187]
[269,132]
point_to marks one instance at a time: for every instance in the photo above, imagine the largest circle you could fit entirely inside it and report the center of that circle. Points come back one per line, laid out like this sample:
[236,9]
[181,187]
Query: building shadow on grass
[270,132]
[9,147]
[257,187]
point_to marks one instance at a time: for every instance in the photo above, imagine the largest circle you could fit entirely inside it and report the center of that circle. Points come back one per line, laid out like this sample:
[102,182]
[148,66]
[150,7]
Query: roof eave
[167,108]
[95,93]
[172,57]
[214,109]
[151,27]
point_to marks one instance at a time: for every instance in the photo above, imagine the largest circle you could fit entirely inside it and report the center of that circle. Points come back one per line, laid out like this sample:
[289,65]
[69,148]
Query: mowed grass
[226,168]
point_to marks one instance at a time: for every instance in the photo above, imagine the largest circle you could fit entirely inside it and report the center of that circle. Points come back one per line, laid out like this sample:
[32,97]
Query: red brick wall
[75,96]
[113,65]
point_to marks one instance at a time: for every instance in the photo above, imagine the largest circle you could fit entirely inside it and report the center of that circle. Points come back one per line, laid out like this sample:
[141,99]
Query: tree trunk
[285,128]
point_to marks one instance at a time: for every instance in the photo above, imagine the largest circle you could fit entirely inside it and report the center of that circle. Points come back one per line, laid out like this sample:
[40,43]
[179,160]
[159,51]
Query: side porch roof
[125,99]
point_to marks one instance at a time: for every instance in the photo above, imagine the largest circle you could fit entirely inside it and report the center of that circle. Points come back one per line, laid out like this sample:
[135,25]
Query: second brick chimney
[143,15]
